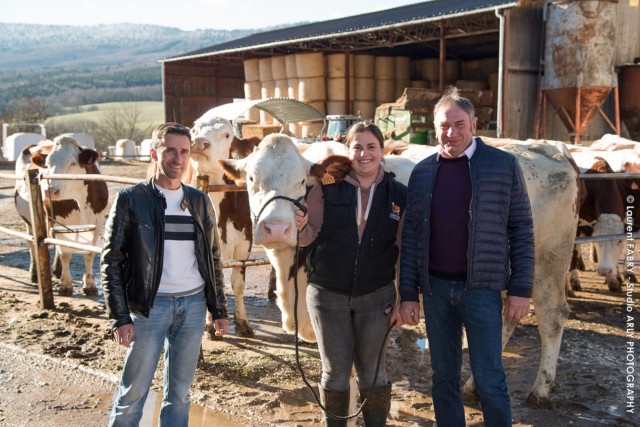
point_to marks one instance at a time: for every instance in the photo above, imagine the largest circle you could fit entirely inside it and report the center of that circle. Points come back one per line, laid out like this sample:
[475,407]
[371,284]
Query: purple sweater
[449,224]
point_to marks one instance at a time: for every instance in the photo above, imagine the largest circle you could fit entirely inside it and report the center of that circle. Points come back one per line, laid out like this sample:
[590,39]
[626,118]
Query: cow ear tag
[328,179]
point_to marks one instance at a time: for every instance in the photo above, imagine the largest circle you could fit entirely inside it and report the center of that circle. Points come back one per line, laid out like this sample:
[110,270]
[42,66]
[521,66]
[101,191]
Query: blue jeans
[350,331]
[480,311]
[177,324]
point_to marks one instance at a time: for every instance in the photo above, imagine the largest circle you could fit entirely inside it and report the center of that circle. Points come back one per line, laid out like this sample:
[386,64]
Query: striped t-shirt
[180,275]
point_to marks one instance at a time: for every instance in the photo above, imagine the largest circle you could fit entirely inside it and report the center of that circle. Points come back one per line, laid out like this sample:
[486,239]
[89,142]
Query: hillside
[75,65]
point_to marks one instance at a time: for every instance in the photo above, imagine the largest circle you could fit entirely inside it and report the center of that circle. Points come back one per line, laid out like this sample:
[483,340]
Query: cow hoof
[244,330]
[90,291]
[66,291]
[614,286]
[632,278]
[534,401]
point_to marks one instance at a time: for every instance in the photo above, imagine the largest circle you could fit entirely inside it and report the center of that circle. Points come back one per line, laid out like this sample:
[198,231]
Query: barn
[559,69]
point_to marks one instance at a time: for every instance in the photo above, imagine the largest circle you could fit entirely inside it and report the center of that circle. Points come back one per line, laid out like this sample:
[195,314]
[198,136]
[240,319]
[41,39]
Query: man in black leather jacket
[161,271]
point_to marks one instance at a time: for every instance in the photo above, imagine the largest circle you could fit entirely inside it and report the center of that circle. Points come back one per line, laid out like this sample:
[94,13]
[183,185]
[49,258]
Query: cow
[601,213]
[21,194]
[70,203]
[276,168]
[213,139]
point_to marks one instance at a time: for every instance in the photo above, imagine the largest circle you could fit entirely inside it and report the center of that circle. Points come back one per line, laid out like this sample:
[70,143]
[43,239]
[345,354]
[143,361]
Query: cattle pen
[39,230]
[40,233]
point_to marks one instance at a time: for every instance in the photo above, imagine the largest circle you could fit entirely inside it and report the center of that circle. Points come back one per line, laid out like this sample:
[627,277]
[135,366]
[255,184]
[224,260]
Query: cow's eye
[251,178]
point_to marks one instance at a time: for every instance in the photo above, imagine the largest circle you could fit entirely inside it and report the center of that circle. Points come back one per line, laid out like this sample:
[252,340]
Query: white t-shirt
[180,275]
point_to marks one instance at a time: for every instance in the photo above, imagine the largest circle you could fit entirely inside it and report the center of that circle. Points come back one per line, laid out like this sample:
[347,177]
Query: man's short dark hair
[159,133]
[452,97]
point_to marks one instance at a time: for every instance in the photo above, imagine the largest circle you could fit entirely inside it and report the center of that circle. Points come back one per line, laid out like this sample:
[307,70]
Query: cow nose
[604,271]
[276,231]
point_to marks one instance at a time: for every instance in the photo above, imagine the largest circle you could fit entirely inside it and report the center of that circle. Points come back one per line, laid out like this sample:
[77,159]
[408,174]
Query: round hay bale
[267,89]
[281,88]
[338,107]
[251,70]
[403,68]
[253,90]
[337,65]
[290,66]
[385,67]
[337,88]
[309,64]
[365,88]
[318,105]
[278,68]
[311,89]
[429,69]
[471,85]
[265,69]
[363,65]
[294,129]
[401,85]
[311,129]
[252,114]
[451,70]
[266,118]
[367,109]
[422,84]
[385,90]
[292,87]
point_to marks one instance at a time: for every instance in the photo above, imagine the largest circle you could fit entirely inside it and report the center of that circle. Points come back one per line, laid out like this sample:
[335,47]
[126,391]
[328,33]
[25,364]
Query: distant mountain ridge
[43,46]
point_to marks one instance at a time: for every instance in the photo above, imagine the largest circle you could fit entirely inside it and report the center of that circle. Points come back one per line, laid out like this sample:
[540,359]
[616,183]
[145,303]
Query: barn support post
[39,232]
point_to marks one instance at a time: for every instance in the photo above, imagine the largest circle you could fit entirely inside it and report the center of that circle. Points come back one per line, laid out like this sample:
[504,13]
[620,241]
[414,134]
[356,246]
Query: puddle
[198,415]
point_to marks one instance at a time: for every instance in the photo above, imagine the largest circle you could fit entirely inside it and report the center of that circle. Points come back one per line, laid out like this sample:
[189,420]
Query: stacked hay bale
[340,83]
[292,88]
[385,69]
[311,87]
[267,87]
[252,86]
[402,75]
[364,102]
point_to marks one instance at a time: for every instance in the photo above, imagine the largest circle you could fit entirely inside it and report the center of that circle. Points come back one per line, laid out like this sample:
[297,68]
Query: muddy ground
[254,382]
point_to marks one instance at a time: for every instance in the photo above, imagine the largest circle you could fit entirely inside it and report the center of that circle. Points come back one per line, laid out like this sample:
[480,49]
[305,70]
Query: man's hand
[124,334]
[221,326]
[515,308]
[410,312]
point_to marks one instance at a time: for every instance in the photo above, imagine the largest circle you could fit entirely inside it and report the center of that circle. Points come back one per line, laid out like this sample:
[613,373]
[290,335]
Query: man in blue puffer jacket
[468,235]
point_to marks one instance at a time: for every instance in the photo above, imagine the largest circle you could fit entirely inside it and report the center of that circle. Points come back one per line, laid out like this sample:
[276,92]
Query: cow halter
[297,202]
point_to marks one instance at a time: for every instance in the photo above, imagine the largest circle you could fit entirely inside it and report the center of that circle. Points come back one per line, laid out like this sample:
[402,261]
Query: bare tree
[119,123]
[29,110]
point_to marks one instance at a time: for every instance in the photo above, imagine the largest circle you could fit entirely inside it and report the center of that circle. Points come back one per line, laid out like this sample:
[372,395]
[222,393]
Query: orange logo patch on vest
[395,212]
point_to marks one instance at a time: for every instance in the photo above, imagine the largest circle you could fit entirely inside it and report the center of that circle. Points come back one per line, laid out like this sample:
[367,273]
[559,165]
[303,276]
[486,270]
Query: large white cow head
[212,138]
[277,176]
[67,157]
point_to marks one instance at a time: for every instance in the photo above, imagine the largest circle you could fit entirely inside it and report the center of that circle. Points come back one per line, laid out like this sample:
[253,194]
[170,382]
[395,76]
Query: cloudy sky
[187,14]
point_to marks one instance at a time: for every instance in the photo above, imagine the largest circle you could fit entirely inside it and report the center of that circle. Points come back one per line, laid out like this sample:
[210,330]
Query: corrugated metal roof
[285,110]
[396,17]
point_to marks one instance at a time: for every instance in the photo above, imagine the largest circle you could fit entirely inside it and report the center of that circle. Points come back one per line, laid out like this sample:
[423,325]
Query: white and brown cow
[602,214]
[213,139]
[277,169]
[69,203]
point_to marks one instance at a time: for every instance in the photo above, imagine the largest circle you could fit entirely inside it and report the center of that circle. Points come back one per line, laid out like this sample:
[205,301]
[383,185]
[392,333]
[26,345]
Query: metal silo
[579,59]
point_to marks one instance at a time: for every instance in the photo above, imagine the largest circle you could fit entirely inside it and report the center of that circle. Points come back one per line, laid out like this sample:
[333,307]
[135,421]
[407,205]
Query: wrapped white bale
[16,142]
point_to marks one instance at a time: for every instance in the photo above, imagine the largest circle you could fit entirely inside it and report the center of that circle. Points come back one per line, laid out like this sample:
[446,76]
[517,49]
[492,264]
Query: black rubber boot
[336,403]
[378,405]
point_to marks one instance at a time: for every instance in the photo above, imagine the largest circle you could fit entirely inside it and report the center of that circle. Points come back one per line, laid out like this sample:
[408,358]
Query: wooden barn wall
[190,88]
[627,32]
[523,44]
